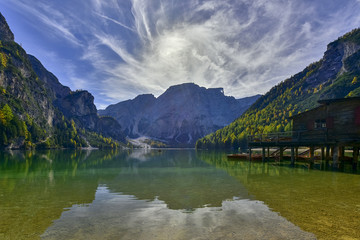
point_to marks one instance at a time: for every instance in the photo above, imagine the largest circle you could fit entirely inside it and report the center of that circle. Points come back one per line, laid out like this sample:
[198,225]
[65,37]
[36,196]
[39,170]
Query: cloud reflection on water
[116,216]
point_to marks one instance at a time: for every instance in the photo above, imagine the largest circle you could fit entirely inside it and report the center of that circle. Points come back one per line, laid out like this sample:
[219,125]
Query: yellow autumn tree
[354,81]
[8,114]
[2,118]
[3,59]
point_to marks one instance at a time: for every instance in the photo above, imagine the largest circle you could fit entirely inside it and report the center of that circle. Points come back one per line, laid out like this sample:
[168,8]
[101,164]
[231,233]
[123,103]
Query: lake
[172,194]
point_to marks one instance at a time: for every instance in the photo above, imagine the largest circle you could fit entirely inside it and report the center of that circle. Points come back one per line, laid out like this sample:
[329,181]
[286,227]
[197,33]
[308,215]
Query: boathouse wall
[336,119]
[332,126]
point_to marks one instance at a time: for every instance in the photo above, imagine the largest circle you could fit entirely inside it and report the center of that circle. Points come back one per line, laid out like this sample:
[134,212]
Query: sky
[118,49]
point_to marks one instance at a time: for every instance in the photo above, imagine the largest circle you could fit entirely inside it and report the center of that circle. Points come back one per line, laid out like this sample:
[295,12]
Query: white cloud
[145,46]
[204,52]
[245,49]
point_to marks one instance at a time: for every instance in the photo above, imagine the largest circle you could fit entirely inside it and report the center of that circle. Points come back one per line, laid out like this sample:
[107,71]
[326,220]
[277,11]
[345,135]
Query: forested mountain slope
[336,75]
[33,110]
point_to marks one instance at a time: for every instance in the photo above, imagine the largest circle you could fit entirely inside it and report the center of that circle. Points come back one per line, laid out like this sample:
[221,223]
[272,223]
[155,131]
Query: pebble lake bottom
[171,194]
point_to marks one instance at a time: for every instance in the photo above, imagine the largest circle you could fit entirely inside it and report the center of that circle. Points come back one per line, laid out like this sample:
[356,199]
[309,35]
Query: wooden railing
[290,136]
[321,135]
[272,137]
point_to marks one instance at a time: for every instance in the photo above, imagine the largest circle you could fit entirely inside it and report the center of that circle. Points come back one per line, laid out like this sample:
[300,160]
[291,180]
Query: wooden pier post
[296,153]
[335,155]
[322,153]
[292,156]
[263,154]
[327,155]
[281,153]
[250,154]
[355,157]
[311,154]
[341,153]
[268,153]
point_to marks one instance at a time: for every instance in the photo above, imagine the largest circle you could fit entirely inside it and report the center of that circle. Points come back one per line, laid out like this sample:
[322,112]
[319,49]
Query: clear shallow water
[170,195]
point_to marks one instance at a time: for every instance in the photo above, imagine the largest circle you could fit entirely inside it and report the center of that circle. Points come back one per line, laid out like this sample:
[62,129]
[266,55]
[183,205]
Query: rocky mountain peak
[333,61]
[5,32]
[78,103]
[190,89]
[179,116]
[336,54]
[144,99]
[50,79]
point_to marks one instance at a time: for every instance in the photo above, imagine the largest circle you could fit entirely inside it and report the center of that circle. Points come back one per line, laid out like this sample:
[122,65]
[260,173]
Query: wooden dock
[332,148]
[330,127]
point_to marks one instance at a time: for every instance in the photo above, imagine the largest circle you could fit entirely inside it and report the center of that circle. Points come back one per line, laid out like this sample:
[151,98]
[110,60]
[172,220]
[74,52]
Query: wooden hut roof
[326,102]
[330,101]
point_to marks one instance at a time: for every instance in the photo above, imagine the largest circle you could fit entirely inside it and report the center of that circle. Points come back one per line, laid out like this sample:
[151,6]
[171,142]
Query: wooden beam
[292,156]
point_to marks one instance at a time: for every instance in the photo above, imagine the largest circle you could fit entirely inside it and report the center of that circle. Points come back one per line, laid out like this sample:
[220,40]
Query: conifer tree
[8,114]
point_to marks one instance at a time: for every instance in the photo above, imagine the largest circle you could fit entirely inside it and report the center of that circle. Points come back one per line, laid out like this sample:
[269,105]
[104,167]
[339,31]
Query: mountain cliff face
[20,86]
[78,106]
[180,116]
[128,113]
[336,75]
[37,110]
[53,85]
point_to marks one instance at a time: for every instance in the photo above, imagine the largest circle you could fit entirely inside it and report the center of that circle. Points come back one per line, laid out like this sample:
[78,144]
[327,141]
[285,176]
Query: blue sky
[117,49]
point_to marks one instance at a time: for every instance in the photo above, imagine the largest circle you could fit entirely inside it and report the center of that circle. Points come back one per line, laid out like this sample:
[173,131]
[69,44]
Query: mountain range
[36,110]
[180,116]
[336,75]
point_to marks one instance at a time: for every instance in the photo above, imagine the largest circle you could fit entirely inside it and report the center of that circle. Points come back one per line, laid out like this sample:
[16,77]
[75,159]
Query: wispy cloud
[115,21]
[56,22]
[245,47]
[145,46]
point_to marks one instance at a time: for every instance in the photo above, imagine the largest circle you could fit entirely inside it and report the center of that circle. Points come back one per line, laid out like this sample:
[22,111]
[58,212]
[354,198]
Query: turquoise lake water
[171,194]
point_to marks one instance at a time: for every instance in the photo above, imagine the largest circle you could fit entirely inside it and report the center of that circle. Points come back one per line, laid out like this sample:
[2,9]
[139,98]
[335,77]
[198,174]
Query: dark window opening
[320,123]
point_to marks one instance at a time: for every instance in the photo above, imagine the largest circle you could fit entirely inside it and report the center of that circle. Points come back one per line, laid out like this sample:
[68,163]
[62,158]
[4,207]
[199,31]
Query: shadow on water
[316,197]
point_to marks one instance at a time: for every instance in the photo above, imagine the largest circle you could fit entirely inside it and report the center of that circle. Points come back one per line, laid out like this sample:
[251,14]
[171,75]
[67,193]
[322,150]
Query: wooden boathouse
[331,127]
